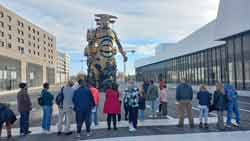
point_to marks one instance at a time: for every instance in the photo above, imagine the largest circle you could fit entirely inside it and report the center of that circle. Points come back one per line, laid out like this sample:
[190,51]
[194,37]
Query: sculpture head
[104,20]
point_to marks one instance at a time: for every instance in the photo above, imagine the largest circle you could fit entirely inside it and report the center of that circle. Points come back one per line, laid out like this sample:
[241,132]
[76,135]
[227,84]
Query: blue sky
[142,24]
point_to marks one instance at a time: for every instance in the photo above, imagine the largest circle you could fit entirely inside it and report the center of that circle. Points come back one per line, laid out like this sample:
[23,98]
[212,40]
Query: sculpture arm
[125,58]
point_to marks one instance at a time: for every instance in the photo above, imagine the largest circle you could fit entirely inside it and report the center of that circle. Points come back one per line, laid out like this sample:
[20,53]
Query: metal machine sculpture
[101,51]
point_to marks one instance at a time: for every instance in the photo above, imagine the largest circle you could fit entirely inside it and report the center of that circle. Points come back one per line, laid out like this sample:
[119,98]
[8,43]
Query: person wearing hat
[47,98]
[24,107]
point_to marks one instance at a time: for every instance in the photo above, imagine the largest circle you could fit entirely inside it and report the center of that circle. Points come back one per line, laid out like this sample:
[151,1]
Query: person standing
[96,95]
[220,104]
[125,103]
[133,105]
[66,108]
[164,100]
[112,105]
[184,97]
[232,106]
[152,96]
[8,117]
[204,98]
[24,107]
[142,106]
[47,100]
[83,102]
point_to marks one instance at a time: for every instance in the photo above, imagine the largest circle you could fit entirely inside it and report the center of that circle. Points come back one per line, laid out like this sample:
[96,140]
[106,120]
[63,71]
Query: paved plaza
[159,128]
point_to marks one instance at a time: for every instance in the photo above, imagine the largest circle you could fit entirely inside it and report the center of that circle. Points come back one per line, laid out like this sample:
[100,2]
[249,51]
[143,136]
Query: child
[133,99]
[204,98]
[142,106]
[220,104]
[8,117]
[163,101]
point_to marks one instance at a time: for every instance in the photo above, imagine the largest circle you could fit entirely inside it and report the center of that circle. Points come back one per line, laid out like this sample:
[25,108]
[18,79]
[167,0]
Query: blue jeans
[141,115]
[24,122]
[153,106]
[233,108]
[95,115]
[47,114]
[203,113]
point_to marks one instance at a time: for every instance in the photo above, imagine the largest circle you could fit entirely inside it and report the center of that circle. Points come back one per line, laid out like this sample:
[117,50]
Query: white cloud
[139,20]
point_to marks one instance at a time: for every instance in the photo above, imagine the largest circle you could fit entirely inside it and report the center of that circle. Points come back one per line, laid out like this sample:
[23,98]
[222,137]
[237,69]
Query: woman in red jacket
[112,105]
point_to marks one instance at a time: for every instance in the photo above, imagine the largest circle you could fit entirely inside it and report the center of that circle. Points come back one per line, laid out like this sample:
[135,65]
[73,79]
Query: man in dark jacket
[83,103]
[184,96]
[24,107]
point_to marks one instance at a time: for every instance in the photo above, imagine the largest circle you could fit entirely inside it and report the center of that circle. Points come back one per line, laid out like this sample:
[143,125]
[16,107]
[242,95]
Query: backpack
[60,98]
[40,101]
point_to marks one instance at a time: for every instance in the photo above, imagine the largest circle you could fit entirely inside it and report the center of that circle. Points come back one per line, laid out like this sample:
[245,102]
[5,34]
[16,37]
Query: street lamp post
[124,63]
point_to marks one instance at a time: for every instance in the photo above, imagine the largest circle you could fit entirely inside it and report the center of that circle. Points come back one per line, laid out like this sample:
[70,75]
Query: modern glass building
[218,52]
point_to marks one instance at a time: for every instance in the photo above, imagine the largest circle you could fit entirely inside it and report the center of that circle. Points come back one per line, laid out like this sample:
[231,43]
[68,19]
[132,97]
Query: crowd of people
[83,99]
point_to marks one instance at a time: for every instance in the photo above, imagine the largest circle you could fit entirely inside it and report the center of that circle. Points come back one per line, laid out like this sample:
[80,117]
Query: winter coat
[152,93]
[204,98]
[219,101]
[23,101]
[184,92]
[6,114]
[112,103]
[68,93]
[231,93]
[47,98]
[142,103]
[163,95]
[83,100]
[133,97]
[96,95]
[145,86]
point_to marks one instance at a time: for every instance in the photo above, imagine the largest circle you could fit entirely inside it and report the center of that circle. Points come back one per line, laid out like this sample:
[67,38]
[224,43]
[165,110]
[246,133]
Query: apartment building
[27,52]
[62,71]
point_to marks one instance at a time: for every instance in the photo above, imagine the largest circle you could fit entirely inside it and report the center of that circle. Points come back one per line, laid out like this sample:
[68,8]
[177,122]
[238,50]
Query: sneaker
[228,126]
[78,135]
[59,133]
[68,133]
[236,125]
[88,134]
[206,125]
[200,125]
[132,129]
[22,134]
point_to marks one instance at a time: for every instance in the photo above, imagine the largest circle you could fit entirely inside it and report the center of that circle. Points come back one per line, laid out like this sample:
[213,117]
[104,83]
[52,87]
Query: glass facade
[229,63]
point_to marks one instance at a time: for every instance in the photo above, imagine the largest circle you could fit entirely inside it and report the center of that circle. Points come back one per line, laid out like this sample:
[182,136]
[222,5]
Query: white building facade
[217,52]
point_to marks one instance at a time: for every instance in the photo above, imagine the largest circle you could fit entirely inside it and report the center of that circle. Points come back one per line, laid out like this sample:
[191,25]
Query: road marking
[244,103]
[212,136]
[197,109]
[244,110]
[103,125]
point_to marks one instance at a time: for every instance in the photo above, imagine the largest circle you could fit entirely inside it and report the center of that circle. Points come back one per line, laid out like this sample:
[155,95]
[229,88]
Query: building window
[1,44]
[9,36]
[33,30]
[22,41]
[34,38]
[9,18]
[44,35]
[37,32]
[2,33]
[9,27]
[29,43]
[38,47]
[1,14]
[29,28]
[44,42]
[18,40]
[1,24]
[29,51]
[38,53]
[38,39]
[9,45]
[29,36]
[34,45]
[21,50]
